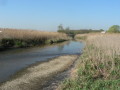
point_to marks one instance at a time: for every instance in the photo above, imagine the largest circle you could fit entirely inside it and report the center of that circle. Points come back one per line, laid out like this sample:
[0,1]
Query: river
[11,61]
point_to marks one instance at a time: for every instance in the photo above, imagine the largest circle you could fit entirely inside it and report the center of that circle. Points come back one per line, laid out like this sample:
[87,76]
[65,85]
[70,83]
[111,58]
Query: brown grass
[99,66]
[103,49]
[30,34]
[106,51]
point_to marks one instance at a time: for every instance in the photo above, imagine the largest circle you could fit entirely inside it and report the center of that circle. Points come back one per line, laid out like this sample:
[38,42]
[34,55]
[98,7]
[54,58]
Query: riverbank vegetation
[81,36]
[24,38]
[99,66]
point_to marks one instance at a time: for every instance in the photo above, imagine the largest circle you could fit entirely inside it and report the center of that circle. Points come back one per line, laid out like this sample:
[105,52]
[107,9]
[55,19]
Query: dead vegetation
[10,38]
[99,66]
[30,34]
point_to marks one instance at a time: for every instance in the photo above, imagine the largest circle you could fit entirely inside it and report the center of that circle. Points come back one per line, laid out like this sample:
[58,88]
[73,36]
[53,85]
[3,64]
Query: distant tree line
[112,29]
[81,31]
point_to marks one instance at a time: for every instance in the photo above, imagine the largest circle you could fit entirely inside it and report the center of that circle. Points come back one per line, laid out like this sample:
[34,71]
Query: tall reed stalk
[20,38]
[99,66]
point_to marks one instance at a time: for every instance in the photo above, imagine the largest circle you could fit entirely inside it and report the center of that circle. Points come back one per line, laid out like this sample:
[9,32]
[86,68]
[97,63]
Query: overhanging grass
[10,38]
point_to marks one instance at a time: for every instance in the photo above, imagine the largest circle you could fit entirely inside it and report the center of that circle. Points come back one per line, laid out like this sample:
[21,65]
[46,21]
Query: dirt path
[38,77]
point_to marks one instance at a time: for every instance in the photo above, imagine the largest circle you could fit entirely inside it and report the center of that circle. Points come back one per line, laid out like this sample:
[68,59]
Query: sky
[48,14]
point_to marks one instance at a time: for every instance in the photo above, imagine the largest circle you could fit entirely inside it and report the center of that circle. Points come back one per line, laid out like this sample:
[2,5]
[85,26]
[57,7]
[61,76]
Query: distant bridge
[72,35]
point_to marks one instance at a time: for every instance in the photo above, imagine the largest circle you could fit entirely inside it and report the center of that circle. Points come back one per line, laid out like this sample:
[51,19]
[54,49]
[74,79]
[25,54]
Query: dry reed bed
[99,66]
[30,34]
[37,75]
[105,51]
[13,38]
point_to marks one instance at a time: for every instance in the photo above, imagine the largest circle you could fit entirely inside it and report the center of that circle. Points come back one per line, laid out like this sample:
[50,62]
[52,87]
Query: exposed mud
[54,82]
[43,76]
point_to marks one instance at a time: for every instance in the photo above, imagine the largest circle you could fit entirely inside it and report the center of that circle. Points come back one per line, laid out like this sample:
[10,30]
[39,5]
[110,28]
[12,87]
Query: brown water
[14,60]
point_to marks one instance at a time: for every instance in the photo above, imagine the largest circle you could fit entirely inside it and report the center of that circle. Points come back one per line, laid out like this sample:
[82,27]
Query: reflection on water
[13,60]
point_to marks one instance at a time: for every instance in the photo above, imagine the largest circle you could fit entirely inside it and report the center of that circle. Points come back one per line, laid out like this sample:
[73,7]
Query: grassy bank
[81,36]
[25,38]
[34,77]
[99,66]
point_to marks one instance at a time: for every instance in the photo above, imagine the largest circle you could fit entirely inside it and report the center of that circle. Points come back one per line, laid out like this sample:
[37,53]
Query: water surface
[14,60]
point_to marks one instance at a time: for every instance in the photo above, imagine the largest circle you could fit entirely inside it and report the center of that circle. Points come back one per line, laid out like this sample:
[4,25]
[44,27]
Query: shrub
[114,29]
